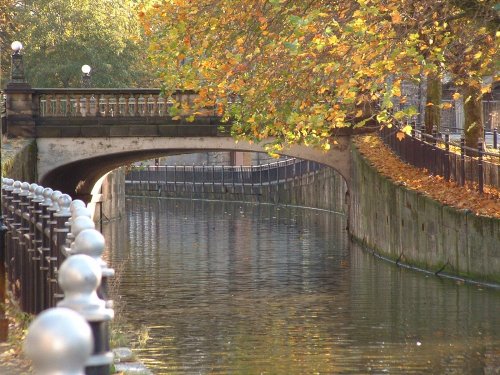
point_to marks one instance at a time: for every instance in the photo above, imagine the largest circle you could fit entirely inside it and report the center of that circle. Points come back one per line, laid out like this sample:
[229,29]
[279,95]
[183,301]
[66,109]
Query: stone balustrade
[99,102]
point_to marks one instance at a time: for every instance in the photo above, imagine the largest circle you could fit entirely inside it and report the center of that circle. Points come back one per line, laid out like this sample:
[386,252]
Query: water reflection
[232,288]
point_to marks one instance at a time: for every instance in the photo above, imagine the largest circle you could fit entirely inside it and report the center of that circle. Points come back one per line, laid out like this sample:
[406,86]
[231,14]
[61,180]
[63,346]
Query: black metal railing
[442,157]
[217,178]
[52,257]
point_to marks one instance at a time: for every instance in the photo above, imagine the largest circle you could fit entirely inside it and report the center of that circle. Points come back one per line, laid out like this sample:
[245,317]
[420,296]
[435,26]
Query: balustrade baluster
[155,111]
[78,108]
[67,105]
[126,111]
[58,108]
[48,106]
[116,105]
[137,111]
[106,106]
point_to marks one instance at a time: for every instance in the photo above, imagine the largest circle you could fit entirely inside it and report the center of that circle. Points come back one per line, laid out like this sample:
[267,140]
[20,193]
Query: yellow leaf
[396,17]
[456,96]
[176,118]
[485,89]
[478,55]
[407,129]
[447,106]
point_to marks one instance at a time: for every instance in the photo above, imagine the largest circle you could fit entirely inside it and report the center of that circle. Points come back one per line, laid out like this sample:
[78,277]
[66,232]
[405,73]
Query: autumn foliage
[298,70]
[436,187]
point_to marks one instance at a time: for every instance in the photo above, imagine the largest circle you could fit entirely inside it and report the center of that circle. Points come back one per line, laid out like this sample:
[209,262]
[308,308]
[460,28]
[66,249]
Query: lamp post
[86,78]
[17,67]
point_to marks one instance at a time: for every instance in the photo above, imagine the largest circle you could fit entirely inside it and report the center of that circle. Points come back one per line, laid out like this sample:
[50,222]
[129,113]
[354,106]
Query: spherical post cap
[59,341]
[79,275]
[16,46]
[81,223]
[90,242]
[76,203]
[81,211]
[47,193]
[64,201]
[55,195]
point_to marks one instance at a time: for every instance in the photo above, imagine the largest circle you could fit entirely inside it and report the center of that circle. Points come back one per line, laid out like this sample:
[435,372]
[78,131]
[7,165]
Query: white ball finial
[16,46]
[59,341]
[76,203]
[79,278]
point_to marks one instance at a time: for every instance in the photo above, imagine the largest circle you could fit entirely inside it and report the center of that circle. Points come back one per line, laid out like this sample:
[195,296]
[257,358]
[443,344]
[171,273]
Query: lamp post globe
[17,66]
[86,76]
[86,69]
[16,46]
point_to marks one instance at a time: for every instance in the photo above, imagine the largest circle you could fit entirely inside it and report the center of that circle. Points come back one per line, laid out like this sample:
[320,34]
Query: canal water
[232,288]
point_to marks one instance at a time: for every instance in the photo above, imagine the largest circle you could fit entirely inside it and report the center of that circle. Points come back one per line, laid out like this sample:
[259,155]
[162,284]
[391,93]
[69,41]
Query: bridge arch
[74,165]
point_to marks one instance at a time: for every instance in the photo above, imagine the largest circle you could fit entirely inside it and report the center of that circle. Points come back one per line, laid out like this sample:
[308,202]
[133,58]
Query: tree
[299,70]
[7,28]
[59,36]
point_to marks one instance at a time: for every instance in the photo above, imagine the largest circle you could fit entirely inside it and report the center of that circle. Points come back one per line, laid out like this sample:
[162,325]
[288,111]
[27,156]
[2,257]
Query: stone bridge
[81,134]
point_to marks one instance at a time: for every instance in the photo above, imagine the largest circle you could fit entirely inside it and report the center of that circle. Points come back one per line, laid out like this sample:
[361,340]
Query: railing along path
[216,178]
[436,154]
[53,258]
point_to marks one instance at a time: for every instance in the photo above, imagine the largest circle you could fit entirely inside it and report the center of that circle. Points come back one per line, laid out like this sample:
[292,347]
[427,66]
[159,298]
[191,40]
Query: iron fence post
[61,231]
[91,242]
[462,161]
[59,341]
[42,227]
[53,258]
[480,167]
[79,278]
[37,256]
[447,157]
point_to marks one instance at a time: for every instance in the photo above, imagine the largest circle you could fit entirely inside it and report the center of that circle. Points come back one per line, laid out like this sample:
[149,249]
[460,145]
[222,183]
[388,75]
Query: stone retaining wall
[407,226]
[19,159]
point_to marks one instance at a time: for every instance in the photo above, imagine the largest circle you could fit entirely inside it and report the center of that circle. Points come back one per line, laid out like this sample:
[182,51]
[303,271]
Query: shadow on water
[224,287]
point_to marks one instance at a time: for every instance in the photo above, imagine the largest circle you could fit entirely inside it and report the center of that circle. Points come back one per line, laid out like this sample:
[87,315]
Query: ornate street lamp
[17,66]
[86,78]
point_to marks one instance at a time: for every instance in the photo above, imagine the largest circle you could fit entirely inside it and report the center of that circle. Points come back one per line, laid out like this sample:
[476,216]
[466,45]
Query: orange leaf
[400,136]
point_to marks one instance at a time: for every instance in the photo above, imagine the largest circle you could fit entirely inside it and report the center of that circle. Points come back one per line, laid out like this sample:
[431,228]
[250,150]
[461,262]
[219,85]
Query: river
[235,288]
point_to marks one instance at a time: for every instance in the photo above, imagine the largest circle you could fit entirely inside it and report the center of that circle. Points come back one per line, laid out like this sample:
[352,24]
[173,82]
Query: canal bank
[409,227]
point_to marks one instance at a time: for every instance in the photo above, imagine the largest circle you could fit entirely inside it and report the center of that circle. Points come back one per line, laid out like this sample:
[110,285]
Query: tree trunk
[473,125]
[433,102]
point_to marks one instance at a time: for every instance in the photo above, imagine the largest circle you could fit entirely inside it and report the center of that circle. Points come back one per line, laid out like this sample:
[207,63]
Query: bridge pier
[20,109]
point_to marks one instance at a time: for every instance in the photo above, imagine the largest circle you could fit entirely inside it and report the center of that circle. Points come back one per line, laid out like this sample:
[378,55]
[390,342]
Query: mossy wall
[405,225]
[19,159]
